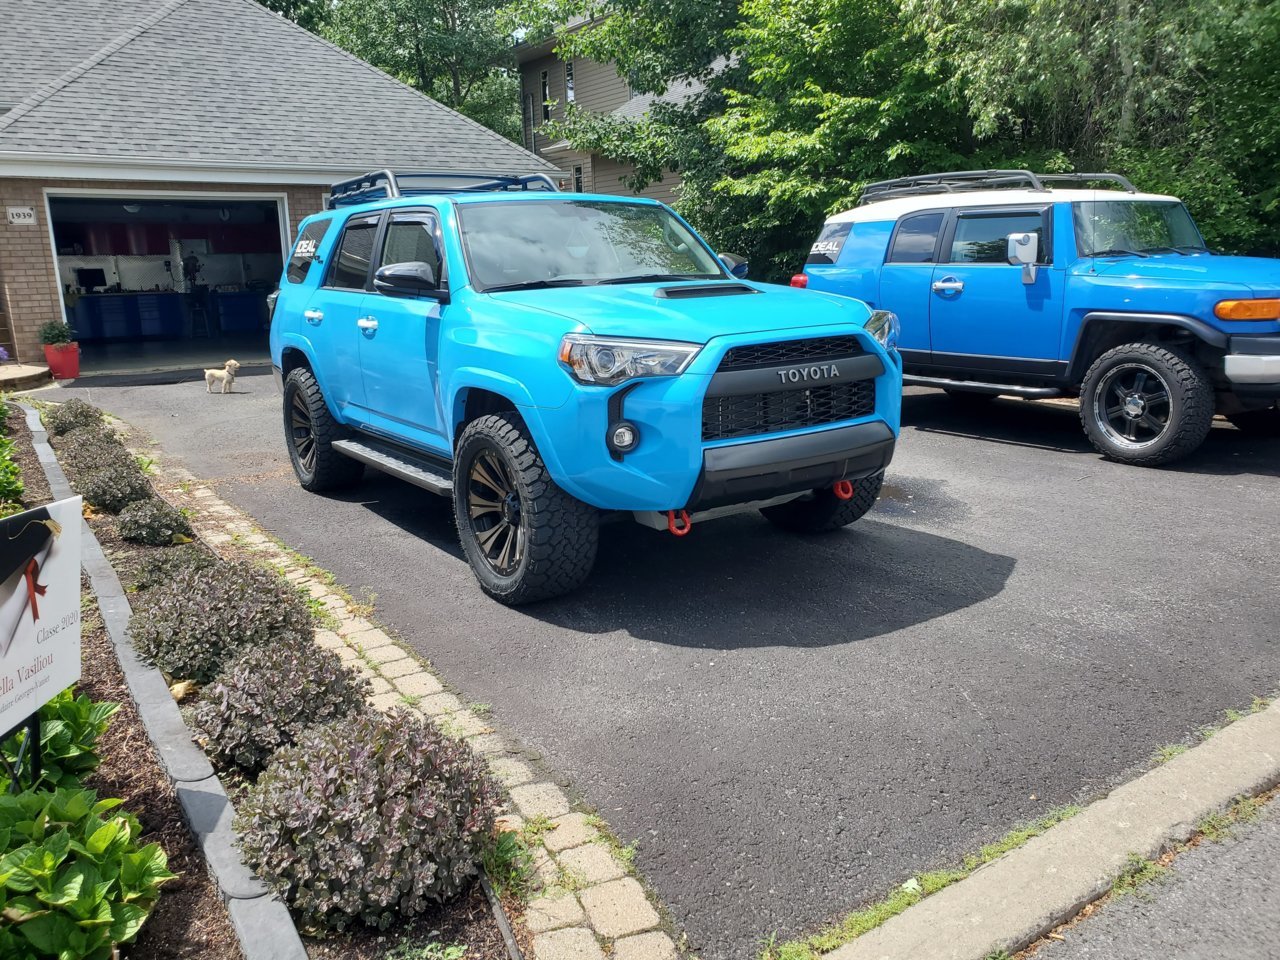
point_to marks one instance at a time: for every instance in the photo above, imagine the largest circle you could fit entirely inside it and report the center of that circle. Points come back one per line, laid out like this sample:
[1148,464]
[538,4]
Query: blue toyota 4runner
[547,359]
[1006,286]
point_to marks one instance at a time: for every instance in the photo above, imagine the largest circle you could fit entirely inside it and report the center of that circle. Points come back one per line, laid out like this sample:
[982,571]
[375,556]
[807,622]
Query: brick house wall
[29,292]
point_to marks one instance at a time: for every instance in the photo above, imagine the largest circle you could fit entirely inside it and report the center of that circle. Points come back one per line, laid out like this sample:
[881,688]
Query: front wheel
[525,538]
[823,511]
[310,430]
[1146,404]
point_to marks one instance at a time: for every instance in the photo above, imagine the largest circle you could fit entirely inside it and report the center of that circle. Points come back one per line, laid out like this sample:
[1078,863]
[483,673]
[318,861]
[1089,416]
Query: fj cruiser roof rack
[386,185]
[958,181]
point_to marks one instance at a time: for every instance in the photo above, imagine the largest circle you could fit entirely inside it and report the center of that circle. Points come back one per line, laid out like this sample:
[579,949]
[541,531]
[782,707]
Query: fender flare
[296,341]
[1196,327]
[473,378]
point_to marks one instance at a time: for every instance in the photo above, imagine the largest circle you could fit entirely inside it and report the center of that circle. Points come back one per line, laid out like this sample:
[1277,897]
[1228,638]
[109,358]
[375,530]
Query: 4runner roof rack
[386,185]
[957,181]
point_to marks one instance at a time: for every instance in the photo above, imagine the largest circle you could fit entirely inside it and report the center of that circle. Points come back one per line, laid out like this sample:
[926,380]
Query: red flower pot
[63,360]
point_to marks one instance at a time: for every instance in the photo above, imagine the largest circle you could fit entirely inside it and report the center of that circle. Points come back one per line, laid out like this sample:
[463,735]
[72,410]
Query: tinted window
[304,251]
[916,239]
[350,266]
[826,249]
[411,238]
[984,239]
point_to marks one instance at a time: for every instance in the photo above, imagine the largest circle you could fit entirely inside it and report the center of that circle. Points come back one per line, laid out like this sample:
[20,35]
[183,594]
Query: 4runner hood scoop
[697,290]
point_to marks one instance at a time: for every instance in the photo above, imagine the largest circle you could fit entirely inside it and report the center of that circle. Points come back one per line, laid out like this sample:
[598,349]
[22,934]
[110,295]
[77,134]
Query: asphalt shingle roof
[229,81]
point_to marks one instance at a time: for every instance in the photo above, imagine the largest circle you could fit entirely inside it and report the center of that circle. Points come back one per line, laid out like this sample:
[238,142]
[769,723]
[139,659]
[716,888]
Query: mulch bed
[190,920]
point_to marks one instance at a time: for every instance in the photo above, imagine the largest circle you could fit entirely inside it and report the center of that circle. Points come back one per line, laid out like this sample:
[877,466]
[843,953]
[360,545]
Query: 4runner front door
[400,334]
[982,316]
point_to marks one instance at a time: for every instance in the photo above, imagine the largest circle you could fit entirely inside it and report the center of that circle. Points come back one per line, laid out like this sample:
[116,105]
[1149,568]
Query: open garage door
[167,282]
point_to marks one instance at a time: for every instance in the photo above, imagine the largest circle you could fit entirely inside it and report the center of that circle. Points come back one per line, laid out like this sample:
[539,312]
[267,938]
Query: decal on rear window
[826,249]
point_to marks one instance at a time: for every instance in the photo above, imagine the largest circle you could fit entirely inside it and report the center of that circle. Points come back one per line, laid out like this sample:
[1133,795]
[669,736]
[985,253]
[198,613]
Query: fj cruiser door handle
[313,316]
[367,323]
[948,285]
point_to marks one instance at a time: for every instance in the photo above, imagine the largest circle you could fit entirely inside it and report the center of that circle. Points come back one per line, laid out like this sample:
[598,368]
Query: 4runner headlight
[884,326]
[610,360]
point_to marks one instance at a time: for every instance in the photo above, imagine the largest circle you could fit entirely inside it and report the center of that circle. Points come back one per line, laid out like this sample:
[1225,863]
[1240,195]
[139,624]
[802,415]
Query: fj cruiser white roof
[893,209]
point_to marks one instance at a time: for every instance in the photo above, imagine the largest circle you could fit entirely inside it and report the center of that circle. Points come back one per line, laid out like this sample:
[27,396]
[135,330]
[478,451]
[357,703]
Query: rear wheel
[1146,404]
[310,429]
[525,538]
[1259,423]
[823,511]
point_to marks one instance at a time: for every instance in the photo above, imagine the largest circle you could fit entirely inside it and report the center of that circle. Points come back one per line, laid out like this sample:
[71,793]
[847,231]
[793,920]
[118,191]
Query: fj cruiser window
[826,249]
[1107,226]
[982,238]
[304,251]
[350,268]
[916,239]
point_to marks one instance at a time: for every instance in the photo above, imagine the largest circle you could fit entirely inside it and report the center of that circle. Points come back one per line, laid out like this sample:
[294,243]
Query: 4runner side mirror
[1024,248]
[736,265]
[415,278]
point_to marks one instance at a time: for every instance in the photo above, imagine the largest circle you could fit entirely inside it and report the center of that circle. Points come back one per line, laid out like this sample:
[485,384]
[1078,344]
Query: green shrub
[56,331]
[163,566]
[113,488]
[200,618]
[155,522]
[11,488]
[371,818]
[73,881]
[267,696]
[67,416]
[91,447]
[69,730]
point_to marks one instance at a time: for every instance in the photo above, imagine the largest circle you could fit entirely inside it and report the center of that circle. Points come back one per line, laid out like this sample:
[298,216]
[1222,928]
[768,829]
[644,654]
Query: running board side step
[400,463]
[977,386]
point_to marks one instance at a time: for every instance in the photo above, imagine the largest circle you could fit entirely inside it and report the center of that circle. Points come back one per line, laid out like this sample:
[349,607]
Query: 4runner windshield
[561,243]
[1142,227]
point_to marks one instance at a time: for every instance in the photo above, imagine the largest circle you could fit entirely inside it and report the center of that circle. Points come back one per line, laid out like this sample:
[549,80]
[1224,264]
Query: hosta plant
[74,883]
[154,522]
[67,416]
[193,623]
[69,730]
[370,819]
[267,696]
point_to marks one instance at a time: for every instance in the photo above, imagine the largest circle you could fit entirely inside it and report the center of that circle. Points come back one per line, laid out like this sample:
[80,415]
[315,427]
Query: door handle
[948,285]
[313,316]
[367,323]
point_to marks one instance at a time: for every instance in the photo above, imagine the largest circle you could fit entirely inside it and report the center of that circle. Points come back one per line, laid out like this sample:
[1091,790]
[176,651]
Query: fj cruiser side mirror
[415,278]
[736,265]
[1024,248]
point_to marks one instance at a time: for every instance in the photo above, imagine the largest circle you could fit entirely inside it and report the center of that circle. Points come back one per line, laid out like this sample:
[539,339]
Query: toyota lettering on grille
[823,371]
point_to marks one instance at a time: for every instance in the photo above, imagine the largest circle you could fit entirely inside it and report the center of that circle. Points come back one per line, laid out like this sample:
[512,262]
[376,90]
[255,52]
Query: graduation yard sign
[39,609]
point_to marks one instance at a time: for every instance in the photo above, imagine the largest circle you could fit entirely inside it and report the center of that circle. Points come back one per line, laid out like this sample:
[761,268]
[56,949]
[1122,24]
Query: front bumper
[1253,366]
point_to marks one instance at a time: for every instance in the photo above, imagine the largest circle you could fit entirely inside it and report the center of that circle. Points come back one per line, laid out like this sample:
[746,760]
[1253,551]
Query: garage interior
[166,283]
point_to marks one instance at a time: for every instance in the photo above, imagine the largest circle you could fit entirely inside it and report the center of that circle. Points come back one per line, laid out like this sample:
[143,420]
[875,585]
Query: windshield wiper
[534,285]
[658,278]
[1185,251]
[1118,251]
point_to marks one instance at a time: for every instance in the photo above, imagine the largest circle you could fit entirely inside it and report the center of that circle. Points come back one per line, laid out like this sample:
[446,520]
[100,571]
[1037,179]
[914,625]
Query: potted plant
[61,352]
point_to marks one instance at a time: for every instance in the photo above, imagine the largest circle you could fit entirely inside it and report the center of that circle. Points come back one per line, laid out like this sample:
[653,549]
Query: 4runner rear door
[333,310]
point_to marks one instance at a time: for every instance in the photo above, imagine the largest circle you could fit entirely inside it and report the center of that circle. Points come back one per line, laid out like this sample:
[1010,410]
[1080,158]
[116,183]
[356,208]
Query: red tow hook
[679,531]
[843,490]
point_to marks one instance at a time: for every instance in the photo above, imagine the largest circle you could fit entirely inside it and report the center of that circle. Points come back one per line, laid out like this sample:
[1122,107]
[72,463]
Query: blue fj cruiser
[1005,285]
[547,359]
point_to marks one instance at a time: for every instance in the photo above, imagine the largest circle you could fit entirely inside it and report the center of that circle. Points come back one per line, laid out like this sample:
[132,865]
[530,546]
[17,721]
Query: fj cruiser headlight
[884,326]
[610,360]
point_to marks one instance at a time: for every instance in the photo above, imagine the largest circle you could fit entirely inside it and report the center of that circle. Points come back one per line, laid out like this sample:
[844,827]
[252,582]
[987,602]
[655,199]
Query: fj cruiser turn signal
[1266,309]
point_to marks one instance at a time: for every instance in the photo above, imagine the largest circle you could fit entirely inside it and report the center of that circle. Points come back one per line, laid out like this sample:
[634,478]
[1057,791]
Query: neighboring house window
[546,96]
[577,176]
[350,268]
[568,81]
[916,238]
[982,238]
[304,252]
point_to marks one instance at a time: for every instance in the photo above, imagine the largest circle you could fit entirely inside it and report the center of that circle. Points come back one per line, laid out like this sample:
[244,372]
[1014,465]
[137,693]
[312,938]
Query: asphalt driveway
[790,726]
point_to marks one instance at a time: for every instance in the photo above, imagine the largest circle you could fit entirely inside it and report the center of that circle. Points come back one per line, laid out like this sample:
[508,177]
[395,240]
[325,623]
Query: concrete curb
[262,922]
[1013,901]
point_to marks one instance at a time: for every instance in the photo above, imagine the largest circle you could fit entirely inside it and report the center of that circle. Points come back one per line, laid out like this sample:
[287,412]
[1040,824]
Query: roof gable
[227,81]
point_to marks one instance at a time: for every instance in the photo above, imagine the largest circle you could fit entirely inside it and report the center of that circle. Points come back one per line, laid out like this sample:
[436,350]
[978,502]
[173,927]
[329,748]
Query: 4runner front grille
[724,418]
[785,352]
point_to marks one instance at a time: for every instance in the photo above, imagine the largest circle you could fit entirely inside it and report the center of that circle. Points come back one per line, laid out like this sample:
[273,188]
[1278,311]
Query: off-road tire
[329,470]
[824,512]
[969,398]
[1258,423]
[561,532]
[1191,399]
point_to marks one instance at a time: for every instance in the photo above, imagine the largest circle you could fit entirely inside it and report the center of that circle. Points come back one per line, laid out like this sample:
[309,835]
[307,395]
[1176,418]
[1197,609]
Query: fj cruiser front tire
[310,430]
[1146,404]
[525,538]
[823,511]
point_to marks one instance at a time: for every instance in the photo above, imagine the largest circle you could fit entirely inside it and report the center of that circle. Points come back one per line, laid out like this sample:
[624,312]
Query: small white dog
[227,376]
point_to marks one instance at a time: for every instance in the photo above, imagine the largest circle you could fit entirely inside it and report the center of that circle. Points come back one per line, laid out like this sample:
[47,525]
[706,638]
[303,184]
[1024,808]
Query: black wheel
[969,398]
[525,538]
[823,511]
[309,429]
[1146,404]
[1259,423]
